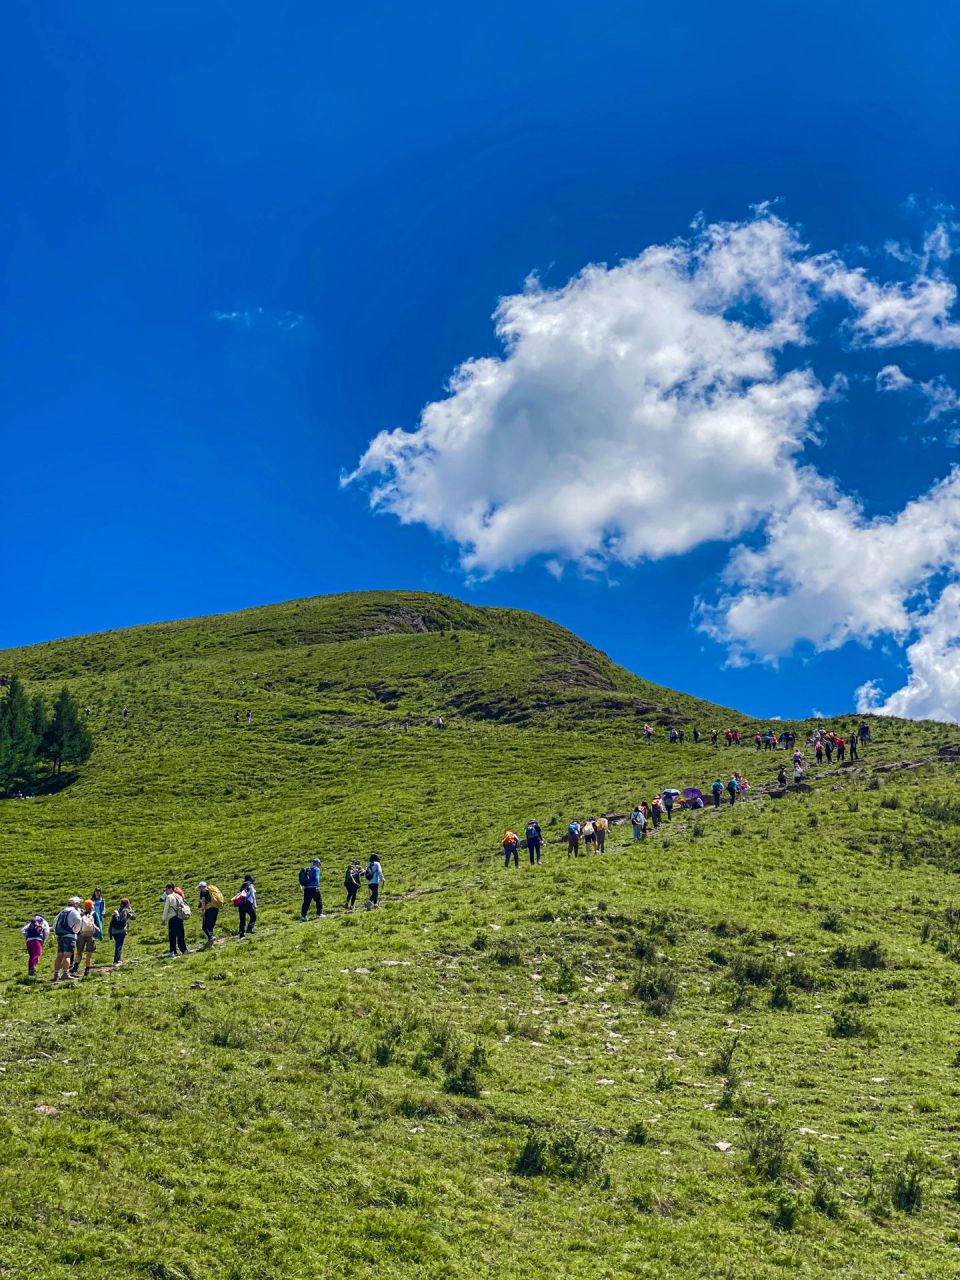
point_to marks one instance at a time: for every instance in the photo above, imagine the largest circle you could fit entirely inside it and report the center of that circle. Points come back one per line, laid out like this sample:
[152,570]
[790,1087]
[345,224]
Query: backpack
[574,828]
[60,925]
[118,924]
[533,832]
[601,824]
[302,877]
[88,925]
[510,838]
[182,909]
[214,895]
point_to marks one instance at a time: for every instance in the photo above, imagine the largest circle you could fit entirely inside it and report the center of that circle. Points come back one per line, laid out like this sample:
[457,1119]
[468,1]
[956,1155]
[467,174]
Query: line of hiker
[79,927]
[771,740]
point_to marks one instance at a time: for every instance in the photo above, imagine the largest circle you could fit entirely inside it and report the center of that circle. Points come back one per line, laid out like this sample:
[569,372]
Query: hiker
[310,883]
[714,735]
[647,733]
[211,900]
[672,735]
[841,750]
[351,882]
[818,751]
[511,847]
[759,741]
[125,713]
[375,878]
[119,922]
[797,772]
[853,746]
[717,792]
[534,841]
[99,910]
[175,912]
[828,747]
[246,904]
[680,736]
[639,820]
[864,734]
[65,926]
[589,833]
[600,827]
[249,717]
[782,776]
[656,810]
[86,939]
[35,932]
[733,788]
[573,839]
[439,722]
[696,735]
[744,786]
[667,801]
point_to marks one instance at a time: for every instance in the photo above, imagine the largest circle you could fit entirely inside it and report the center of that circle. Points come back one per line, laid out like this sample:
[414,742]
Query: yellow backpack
[215,896]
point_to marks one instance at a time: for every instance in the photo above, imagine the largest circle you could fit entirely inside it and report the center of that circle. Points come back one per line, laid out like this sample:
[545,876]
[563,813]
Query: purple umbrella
[693,794]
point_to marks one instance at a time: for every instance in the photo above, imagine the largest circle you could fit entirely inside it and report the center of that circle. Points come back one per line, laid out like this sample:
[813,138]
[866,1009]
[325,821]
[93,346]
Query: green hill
[523,1072]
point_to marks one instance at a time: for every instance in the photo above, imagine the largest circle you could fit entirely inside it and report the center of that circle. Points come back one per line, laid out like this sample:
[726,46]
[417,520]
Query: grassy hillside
[501,1073]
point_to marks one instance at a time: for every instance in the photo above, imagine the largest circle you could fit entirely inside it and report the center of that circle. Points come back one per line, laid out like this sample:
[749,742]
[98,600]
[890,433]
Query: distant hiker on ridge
[534,841]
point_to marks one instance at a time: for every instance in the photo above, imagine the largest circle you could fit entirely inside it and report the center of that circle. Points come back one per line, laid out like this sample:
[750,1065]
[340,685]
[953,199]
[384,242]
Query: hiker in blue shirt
[717,792]
[375,878]
[534,841]
[310,883]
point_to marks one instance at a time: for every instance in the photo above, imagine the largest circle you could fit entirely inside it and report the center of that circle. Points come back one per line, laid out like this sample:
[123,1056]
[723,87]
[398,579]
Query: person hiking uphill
[782,776]
[639,820]
[600,828]
[351,882]
[246,904]
[86,938]
[375,878]
[534,841]
[211,900]
[310,884]
[511,848]
[573,839]
[65,927]
[668,799]
[119,923]
[733,789]
[656,811]
[589,833]
[35,933]
[175,913]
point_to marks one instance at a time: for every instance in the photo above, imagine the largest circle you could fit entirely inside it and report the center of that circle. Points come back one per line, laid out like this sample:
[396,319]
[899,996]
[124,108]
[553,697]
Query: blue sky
[241,241]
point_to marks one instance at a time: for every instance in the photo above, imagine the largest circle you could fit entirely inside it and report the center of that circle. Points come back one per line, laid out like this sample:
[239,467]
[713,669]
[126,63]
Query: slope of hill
[528,1072]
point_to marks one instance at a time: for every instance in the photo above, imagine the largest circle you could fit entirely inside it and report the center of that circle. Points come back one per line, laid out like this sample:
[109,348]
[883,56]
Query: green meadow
[728,1052]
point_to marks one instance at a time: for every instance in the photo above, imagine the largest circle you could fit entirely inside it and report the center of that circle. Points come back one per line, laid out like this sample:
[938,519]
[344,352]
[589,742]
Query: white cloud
[941,398]
[248,318]
[892,313]
[632,416]
[826,574]
[932,691]
[892,378]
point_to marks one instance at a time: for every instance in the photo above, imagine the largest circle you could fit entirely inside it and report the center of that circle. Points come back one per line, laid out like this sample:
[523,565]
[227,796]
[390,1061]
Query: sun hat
[74,902]
[202,884]
[124,902]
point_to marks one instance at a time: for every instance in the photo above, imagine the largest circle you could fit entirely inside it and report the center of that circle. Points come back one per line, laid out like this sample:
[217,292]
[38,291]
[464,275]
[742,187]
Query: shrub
[786,1212]
[644,948]
[723,1058]
[507,953]
[868,955]
[463,1073]
[825,1199]
[382,1052]
[767,1145]
[906,1184]
[748,968]
[656,987]
[890,802]
[699,831]
[857,993]
[561,1153]
[480,941]
[228,1033]
[565,981]
[780,995]
[832,922]
[638,1133]
[847,1024]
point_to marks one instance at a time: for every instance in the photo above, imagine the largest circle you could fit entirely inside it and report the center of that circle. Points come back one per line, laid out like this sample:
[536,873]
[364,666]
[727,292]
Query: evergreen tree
[67,737]
[39,720]
[20,745]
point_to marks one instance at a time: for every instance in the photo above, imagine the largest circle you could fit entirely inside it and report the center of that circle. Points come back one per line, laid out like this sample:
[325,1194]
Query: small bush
[561,1153]
[638,1133]
[644,948]
[228,1034]
[786,1212]
[767,1145]
[656,987]
[723,1058]
[382,1052]
[825,1199]
[857,993]
[565,981]
[890,802]
[868,955]
[748,968]
[780,995]
[813,821]
[507,953]
[906,1184]
[832,922]
[848,1024]
[480,942]
[699,831]
[873,784]
[736,829]
[728,928]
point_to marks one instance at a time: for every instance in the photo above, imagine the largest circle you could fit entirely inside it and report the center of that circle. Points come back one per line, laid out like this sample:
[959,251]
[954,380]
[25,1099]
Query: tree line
[34,740]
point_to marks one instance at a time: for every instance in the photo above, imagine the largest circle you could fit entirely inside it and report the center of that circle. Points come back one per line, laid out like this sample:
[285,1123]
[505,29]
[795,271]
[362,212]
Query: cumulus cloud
[932,691]
[826,574]
[635,414]
[892,378]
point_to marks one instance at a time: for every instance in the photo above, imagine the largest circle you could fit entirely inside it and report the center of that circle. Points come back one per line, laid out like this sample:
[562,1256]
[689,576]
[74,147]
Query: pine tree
[20,745]
[67,736]
[39,720]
